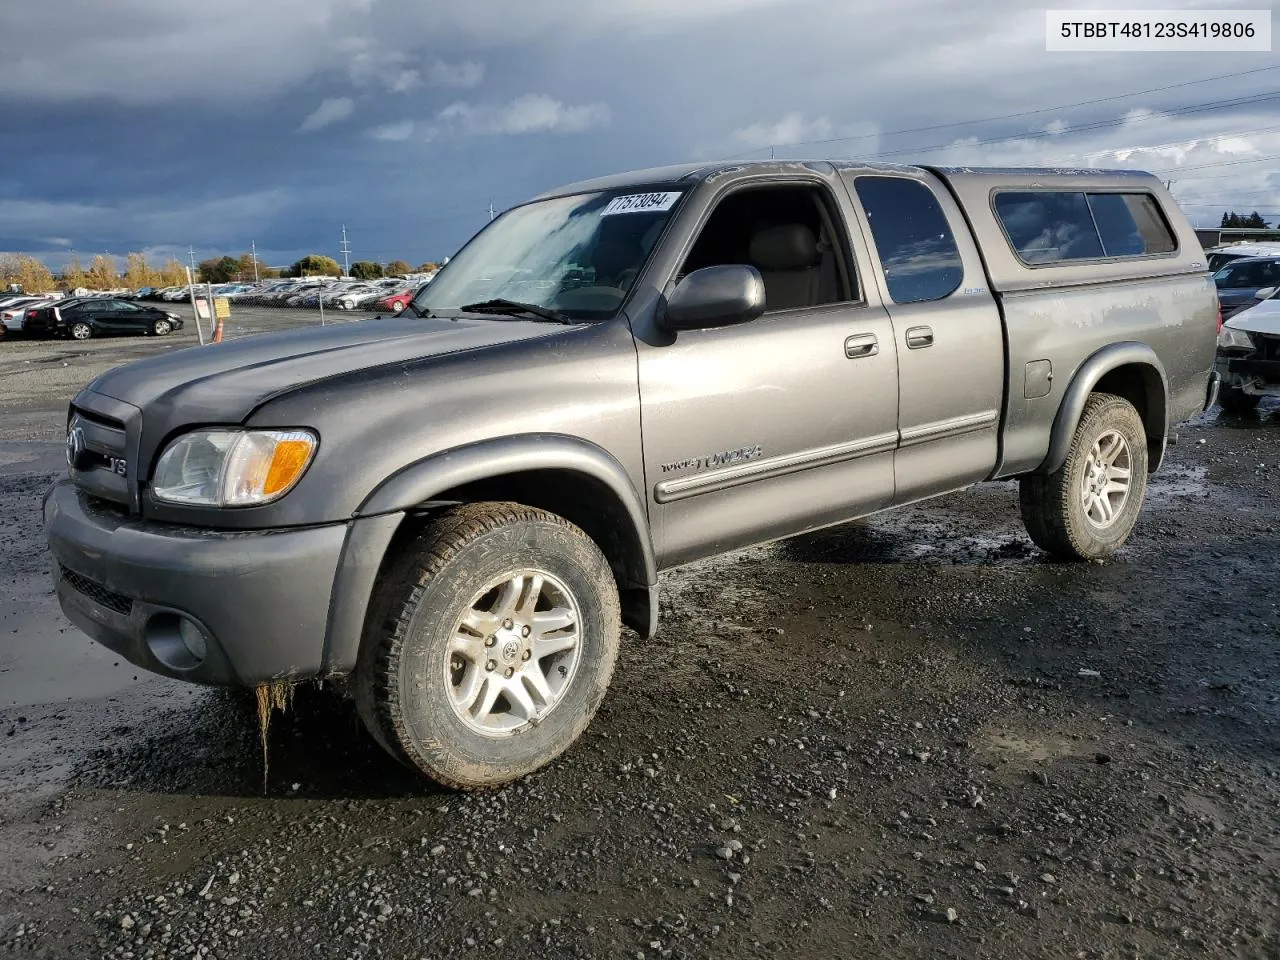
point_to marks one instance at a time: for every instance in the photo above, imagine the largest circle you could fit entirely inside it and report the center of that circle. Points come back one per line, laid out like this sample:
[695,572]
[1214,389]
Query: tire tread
[430,551]
[1045,499]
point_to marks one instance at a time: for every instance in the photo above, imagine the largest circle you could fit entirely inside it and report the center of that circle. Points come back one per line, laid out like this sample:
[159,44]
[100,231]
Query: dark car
[83,317]
[1240,279]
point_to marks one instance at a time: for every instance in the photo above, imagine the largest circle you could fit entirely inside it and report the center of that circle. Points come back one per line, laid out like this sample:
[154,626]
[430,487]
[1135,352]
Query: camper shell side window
[1048,227]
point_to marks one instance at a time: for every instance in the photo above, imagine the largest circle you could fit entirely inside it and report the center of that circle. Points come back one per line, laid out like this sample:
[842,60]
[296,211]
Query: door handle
[861,345]
[918,337]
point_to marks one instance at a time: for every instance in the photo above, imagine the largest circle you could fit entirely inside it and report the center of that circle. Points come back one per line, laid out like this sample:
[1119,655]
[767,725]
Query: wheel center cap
[511,650]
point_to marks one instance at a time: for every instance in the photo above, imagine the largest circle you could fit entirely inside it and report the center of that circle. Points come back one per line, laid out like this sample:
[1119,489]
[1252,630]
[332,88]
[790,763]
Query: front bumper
[260,598]
[1259,377]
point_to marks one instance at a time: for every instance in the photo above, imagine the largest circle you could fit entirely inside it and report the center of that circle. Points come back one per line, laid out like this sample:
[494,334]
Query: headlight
[233,468]
[1230,338]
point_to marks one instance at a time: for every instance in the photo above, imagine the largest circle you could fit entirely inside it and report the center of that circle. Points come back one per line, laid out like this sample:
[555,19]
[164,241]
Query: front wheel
[1086,509]
[161,327]
[490,646]
[1235,400]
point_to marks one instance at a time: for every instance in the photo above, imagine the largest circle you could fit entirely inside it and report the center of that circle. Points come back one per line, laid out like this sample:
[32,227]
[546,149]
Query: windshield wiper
[513,308]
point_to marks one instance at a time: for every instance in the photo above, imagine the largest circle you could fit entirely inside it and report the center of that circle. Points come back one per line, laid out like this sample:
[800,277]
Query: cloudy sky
[158,124]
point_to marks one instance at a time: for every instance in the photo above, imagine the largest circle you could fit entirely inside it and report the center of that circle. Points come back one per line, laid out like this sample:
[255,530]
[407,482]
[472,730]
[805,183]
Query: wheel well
[584,501]
[1142,386]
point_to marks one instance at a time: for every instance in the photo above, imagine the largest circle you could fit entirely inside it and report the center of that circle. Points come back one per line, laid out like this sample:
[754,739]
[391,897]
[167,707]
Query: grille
[1268,347]
[97,592]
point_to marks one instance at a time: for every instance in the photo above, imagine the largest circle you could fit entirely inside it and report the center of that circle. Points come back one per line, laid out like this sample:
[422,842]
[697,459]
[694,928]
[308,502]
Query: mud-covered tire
[403,686]
[1053,505]
[1235,400]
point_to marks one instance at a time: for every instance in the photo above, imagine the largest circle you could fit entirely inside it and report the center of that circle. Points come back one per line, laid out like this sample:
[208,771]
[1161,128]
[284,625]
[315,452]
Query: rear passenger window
[1050,227]
[917,249]
[1130,224]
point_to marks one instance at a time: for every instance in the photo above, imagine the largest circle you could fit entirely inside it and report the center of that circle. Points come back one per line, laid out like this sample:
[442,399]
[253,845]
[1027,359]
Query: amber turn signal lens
[290,458]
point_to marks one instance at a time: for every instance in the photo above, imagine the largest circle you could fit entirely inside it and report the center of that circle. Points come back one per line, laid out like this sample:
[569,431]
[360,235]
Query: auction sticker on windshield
[640,203]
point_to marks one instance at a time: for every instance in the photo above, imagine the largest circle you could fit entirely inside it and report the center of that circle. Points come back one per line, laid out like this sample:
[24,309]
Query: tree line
[1234,219]
[229,269]
[104,271]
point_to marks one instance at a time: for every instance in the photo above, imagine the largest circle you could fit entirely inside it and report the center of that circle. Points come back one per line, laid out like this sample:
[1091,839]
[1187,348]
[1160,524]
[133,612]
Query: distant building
[1216,236]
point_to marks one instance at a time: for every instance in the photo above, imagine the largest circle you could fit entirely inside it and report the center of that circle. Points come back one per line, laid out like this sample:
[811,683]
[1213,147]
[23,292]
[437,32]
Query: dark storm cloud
[150,124]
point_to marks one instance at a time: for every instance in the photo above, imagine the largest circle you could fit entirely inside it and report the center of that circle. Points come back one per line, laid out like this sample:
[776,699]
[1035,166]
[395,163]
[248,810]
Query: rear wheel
[81,330]
[1086,509]
[1235,400]
[490,646]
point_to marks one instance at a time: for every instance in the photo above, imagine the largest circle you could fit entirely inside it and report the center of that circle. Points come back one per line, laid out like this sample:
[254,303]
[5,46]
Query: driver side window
[790,235]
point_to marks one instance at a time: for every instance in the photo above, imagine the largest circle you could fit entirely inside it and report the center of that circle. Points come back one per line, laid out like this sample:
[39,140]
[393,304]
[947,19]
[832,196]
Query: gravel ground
[909,736]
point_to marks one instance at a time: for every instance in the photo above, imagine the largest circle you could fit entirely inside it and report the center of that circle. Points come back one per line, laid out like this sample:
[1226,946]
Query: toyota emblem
[75,445]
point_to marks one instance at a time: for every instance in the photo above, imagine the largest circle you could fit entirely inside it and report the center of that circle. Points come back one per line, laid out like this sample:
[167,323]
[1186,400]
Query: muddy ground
[910,736]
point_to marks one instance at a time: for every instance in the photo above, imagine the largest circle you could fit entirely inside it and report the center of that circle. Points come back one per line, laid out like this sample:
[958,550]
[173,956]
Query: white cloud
[330,111]
[792,128]
[466,73]
[150,51]
[393,131]
[531,113]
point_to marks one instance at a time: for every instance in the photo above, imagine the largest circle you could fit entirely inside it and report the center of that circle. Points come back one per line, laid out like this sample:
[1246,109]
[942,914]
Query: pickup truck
[452,514]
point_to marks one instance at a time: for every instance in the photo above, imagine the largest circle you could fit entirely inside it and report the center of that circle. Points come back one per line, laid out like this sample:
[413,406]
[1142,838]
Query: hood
[225,382]
[1263,317]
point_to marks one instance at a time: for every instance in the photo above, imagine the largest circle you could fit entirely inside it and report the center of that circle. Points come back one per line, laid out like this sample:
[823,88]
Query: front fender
[1086,378]
[417,483]
[421,484]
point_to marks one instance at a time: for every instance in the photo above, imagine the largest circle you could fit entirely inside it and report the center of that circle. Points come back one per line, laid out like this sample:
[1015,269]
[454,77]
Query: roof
[693,172]
[1254,258]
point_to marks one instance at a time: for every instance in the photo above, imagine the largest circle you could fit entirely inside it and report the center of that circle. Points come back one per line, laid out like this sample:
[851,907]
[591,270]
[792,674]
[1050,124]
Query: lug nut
[526,655]
[525,631]
[490,641]
[507,624]
[510,673]
[491,665]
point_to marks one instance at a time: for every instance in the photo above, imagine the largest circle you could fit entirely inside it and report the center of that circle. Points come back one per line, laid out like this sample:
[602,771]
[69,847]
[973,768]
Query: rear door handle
[918,337]
[861,345]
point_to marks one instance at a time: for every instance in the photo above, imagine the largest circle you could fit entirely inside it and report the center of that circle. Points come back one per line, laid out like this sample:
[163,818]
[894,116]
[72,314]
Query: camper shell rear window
[1063,226]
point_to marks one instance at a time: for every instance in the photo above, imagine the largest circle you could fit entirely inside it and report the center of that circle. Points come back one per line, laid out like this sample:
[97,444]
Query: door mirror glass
[718,296]
[1266,293]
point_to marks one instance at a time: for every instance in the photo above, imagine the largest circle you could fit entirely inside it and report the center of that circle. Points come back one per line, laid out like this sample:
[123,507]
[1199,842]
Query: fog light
[193,639]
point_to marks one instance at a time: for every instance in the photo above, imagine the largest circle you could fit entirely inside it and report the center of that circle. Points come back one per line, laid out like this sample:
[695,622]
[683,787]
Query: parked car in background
[83,317]
[394,303]
[1218,257]
[1239,280]
[13,313]
[1249,353]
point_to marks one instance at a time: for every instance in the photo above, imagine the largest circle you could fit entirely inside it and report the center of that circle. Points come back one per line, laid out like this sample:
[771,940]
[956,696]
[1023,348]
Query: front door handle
[918,337]
[861,345]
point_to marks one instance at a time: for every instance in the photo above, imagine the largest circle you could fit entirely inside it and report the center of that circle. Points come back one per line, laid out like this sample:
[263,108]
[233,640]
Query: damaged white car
[1249,354]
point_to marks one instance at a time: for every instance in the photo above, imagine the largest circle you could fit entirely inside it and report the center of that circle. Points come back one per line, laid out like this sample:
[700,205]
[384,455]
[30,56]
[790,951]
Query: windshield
[577,256]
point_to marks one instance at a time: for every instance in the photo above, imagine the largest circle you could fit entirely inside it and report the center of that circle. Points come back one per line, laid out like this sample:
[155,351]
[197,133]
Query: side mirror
[1266,293]
[718,296]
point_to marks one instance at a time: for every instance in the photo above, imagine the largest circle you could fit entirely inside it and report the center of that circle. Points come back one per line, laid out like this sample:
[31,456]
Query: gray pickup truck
[453,513]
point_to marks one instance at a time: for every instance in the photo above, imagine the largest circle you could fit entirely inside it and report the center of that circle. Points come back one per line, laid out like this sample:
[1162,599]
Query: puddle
[890,539]
[1178,480]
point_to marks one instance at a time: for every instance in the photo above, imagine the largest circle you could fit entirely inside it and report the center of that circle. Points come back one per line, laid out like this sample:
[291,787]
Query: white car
[1221,255]
[14,313]
[1249,354]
